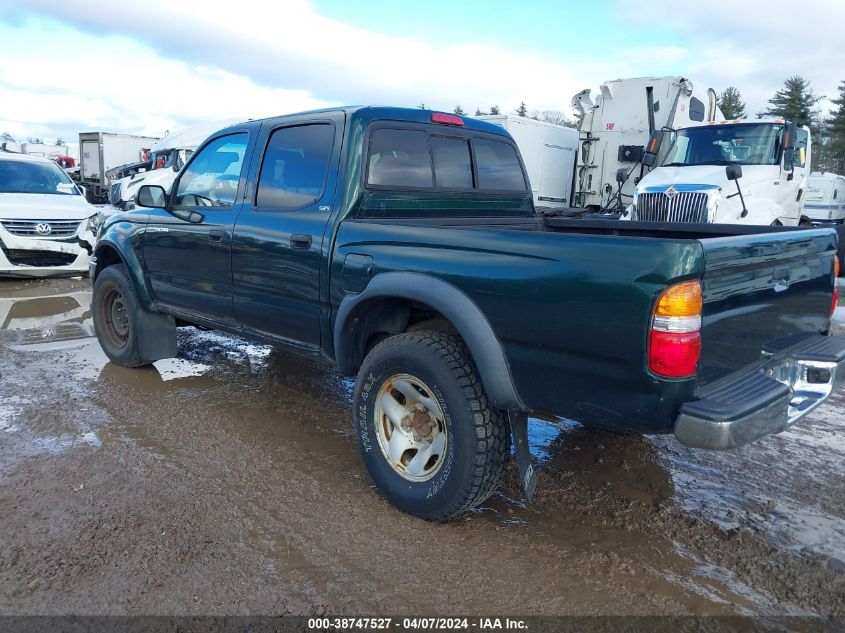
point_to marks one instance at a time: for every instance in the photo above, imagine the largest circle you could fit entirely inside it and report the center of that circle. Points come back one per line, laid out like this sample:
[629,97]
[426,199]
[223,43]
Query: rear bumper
[767,400]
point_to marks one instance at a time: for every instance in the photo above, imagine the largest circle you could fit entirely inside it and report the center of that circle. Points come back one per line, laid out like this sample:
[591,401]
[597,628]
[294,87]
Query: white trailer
[548,151]
[824,202]
[101,151]
[45,150]
[614,129]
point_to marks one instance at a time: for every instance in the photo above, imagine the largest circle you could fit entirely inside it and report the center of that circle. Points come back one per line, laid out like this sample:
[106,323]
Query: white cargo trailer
[548,151]
[614,129]
[824,202]
[101,151]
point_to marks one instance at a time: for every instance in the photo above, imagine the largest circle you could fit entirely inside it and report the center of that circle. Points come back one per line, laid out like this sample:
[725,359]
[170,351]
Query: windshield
[746,144]
[18,176]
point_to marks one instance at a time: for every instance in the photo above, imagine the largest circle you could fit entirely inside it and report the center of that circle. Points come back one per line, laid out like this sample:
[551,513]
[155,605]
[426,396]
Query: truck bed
[574,298]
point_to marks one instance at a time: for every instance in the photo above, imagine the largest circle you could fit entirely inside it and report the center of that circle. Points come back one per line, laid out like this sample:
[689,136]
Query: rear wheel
[429,438]
[117,314]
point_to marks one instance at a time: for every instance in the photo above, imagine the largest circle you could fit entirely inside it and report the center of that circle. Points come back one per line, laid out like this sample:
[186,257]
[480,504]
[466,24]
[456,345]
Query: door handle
[300,240]
[216,236]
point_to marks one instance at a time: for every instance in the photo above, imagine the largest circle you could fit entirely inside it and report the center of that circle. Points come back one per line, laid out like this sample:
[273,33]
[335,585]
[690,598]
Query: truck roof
[373,113]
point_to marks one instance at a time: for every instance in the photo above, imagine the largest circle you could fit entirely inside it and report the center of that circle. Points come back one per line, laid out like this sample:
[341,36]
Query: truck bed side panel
[572,311]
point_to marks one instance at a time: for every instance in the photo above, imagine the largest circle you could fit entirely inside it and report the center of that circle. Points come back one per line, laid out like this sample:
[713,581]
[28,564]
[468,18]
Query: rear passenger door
[277,259]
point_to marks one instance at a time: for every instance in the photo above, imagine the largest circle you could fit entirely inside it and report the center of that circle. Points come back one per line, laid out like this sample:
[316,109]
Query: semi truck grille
[41,228]
[684,206]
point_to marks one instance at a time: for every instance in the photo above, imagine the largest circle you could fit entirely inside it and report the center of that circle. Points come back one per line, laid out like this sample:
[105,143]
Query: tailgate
[762,290]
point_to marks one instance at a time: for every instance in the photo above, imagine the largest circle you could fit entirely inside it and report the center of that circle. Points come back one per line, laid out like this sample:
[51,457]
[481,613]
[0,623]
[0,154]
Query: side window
[452,164]
[212,179]
[801,137]
[498,166]
[696,109]
[293,172]
[399,158]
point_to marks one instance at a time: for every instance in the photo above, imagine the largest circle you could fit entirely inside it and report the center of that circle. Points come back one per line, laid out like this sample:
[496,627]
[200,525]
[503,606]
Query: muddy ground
[228,481]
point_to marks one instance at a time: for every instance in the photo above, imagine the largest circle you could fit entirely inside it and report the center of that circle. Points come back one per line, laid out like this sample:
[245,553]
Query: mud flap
[156,336]
[527,472]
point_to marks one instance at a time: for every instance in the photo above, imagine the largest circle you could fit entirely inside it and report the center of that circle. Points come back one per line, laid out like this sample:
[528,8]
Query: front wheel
[429,438]
[117,313]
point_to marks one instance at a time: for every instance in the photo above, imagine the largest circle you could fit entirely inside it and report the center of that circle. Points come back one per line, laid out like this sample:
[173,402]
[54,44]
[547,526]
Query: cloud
[293,45]
[113,83]
[754,46]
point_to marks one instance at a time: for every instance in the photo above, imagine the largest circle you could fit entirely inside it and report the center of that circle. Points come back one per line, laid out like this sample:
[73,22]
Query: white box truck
[101,151]
[614,129]
[548,151]
[824,202]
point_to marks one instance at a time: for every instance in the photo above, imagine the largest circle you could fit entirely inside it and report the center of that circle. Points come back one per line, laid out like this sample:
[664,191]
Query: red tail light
[448,119]
[674,342]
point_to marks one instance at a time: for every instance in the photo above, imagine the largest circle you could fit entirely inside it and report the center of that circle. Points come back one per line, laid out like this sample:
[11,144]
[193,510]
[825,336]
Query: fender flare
[454,305]
[130,260]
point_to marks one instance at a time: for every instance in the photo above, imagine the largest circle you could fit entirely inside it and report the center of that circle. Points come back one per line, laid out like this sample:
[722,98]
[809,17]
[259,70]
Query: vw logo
[43,228]
[671,192]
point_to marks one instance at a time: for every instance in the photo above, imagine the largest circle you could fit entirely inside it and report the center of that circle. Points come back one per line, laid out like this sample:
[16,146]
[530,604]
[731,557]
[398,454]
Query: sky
[153,66]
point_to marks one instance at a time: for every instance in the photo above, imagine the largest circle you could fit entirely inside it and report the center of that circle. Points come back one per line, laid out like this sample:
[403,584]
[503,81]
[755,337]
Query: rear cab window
[421,159]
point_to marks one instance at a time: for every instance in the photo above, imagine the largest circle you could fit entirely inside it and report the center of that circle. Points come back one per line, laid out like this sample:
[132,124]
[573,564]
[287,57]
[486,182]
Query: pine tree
[421,106]
[835,133]
[495,110]
[5,136]
[60,141]
[522,110]
[731,104]
[478,112]
[795,102]
[458,110]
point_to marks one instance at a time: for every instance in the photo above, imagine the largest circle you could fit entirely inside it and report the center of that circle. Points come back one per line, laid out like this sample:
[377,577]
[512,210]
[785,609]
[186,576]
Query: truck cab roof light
[448,119]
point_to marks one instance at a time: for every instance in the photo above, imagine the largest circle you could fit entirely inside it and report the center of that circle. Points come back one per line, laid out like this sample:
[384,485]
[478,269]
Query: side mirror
[151,196]
[789,147]
[652,147]
[621,175]
[733,171]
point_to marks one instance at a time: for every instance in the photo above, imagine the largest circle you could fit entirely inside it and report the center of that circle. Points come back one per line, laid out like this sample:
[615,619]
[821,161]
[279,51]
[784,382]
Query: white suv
[47,228]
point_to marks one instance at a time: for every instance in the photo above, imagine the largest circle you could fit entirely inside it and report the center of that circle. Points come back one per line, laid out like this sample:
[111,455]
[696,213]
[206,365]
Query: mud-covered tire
[117,315]
[478,443]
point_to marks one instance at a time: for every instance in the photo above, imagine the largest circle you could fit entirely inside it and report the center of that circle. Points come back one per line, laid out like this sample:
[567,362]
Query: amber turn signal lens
[836,265]
[682,299]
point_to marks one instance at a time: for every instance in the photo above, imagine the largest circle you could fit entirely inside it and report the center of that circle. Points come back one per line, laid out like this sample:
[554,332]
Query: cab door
[188,247]
[277,249]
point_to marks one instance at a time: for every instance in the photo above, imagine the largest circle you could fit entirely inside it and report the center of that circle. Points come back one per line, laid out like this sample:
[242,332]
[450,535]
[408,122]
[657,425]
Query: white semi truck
[548,151]
[614,129]
[744,171]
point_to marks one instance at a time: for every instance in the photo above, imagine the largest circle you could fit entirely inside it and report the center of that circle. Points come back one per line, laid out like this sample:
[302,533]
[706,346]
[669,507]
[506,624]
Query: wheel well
[382,318]
[106,256]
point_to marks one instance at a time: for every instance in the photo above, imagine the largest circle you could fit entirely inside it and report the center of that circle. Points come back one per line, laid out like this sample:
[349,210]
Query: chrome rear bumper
[767,400]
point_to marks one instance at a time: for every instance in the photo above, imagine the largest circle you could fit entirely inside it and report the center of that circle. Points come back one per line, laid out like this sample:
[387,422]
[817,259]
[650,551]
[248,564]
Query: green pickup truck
[403,245]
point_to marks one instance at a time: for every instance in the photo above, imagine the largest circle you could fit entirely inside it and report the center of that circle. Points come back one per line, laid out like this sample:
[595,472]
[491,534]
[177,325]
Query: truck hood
[43,206]
[710,175]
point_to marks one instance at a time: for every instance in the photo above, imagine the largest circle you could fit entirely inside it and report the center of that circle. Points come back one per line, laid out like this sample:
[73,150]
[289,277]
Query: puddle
[253,420]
